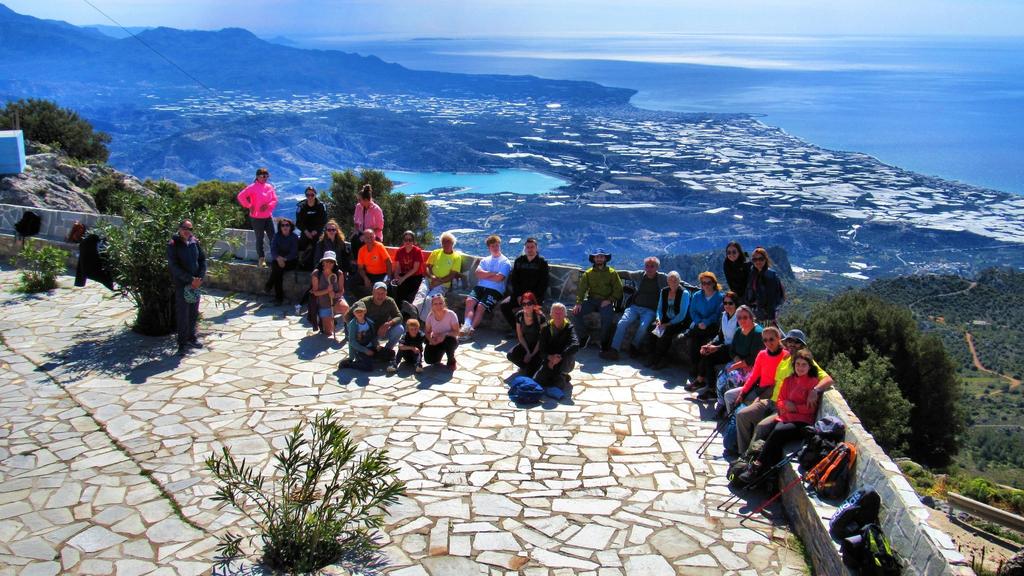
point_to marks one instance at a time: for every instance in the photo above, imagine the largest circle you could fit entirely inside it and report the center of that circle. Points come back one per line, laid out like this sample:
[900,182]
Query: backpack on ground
[859,510]
[525,390]
[870,553]
[831,478]
[823,437]
[76,234]
[29,225]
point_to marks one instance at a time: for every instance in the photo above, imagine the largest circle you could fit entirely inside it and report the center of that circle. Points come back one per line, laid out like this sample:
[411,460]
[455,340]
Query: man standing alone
[187,264]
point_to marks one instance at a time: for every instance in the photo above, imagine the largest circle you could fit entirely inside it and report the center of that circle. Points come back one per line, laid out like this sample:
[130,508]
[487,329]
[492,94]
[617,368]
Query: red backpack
[77,233]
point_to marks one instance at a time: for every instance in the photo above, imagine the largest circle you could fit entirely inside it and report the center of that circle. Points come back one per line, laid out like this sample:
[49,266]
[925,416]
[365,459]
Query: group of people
[768,382]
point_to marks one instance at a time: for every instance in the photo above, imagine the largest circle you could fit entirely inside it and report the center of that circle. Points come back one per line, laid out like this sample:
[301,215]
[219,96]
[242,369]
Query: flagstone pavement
[101,428]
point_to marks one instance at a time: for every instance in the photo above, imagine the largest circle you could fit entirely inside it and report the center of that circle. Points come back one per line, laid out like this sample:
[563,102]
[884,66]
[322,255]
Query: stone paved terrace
[98,426]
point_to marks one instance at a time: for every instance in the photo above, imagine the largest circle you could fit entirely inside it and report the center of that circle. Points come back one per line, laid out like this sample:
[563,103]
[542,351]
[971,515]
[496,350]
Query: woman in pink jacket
[795,411]
[260,198]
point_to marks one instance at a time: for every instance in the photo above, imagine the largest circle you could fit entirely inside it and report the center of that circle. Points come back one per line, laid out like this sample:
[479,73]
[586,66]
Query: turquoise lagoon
[508,180]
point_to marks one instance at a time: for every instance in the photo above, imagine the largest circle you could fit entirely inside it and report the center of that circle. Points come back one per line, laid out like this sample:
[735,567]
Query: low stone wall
[924,549]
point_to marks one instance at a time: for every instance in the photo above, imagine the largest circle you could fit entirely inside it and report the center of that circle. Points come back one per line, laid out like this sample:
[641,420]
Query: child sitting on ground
[362,341]
[410,347]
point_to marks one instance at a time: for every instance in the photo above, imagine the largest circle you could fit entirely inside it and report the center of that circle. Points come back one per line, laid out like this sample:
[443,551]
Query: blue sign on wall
[12,152]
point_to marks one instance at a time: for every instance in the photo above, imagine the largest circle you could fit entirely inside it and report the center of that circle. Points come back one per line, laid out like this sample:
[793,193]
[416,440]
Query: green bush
[40,266]
[221,196]
[323,504]
[873,395]
[856,324]
[979,489]
[45,122]
[110,193]
[401,212]
[137,254]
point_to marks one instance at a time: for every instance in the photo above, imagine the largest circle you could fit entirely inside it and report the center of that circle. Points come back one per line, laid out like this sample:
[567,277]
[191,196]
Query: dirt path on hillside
[954,293]
[981,368]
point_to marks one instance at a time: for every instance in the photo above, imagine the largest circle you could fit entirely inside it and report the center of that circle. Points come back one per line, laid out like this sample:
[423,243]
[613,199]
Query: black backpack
[824,436]
[870,553]
[740,465]
[859,510]
[29,224]
[628,293]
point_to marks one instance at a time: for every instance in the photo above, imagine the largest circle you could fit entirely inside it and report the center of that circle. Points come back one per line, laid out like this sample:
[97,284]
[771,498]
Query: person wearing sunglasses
[765,292]
[717,351]
[284,255]
[260,199]
[737,270]
[526,353]
[751,402]
[310,217]
[333,240]
[705,314]
[408,264]
[187,263]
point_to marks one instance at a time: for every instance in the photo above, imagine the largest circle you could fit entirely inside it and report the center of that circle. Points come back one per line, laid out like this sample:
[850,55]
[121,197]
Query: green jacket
[603,283]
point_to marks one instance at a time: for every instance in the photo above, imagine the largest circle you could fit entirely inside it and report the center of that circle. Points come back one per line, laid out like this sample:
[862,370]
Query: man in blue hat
[600,287]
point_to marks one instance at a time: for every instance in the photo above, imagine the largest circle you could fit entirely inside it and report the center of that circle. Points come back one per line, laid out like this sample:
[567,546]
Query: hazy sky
[405,18]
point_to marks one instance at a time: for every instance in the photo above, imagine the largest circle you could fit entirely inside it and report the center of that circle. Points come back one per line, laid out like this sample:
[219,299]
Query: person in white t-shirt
[491,274]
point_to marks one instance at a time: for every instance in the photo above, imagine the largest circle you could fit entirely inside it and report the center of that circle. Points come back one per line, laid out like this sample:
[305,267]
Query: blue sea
[948,107]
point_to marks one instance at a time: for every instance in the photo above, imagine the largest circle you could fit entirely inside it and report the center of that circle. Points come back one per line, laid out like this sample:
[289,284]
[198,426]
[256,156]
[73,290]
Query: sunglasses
[758,258]
[769,340]
[286,225]
[728,303]
[706,283]
[311,195]
[189,228]
[332,229]
[731,252]
[408,239]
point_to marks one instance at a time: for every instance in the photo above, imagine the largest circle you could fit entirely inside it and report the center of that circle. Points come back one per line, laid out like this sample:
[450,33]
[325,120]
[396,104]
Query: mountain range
[57,59]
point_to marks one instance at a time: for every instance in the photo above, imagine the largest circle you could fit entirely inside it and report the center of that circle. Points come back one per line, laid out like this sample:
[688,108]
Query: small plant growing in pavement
[321,507]
[40,266]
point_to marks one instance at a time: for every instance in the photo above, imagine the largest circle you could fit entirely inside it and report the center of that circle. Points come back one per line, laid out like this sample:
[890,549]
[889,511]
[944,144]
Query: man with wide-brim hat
[600,287]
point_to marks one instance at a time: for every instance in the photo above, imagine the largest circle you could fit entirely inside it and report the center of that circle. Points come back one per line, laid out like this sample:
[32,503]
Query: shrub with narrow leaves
[322,505]
[40,266]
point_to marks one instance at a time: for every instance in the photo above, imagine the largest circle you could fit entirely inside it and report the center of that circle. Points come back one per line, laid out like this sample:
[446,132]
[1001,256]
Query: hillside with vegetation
[985,312]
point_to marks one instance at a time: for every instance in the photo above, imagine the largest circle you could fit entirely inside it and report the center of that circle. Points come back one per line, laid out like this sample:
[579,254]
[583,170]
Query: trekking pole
[760,479]
[810,473]
[711,438]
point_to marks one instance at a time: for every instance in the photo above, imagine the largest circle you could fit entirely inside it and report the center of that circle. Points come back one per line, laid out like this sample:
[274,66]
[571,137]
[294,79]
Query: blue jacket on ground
[705,310]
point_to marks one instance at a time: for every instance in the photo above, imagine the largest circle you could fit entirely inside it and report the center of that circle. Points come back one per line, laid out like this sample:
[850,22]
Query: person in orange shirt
[374,261]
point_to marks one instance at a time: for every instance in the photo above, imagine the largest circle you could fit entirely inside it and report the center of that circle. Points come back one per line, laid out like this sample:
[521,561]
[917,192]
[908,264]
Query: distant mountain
[117,31]
[56,59]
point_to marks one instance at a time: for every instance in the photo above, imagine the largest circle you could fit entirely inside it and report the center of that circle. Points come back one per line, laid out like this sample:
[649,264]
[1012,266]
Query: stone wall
[925,550]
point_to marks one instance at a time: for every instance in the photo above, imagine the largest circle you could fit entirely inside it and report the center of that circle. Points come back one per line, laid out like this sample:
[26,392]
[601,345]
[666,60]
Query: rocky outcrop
[52,180]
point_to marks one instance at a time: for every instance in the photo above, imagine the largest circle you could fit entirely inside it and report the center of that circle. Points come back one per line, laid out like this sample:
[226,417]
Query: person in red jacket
[796,407]
[260,198]
[761,380]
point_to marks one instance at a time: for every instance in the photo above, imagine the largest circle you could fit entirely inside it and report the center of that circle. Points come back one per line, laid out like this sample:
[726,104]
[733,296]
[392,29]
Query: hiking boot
[693,385]
[387,355]
[609,354]
[391,370]
[659,364]
[183,350]
[635,352]
[195,344]
[262,263]
[419,368]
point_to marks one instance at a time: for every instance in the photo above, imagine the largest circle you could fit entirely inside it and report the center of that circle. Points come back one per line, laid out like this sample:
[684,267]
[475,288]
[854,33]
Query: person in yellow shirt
[444,265]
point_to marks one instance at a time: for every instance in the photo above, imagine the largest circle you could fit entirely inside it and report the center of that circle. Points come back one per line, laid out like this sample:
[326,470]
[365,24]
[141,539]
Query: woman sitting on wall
[795,409]
[669,319]
[284,255]
[705,313]
[746,343]
[718,350]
